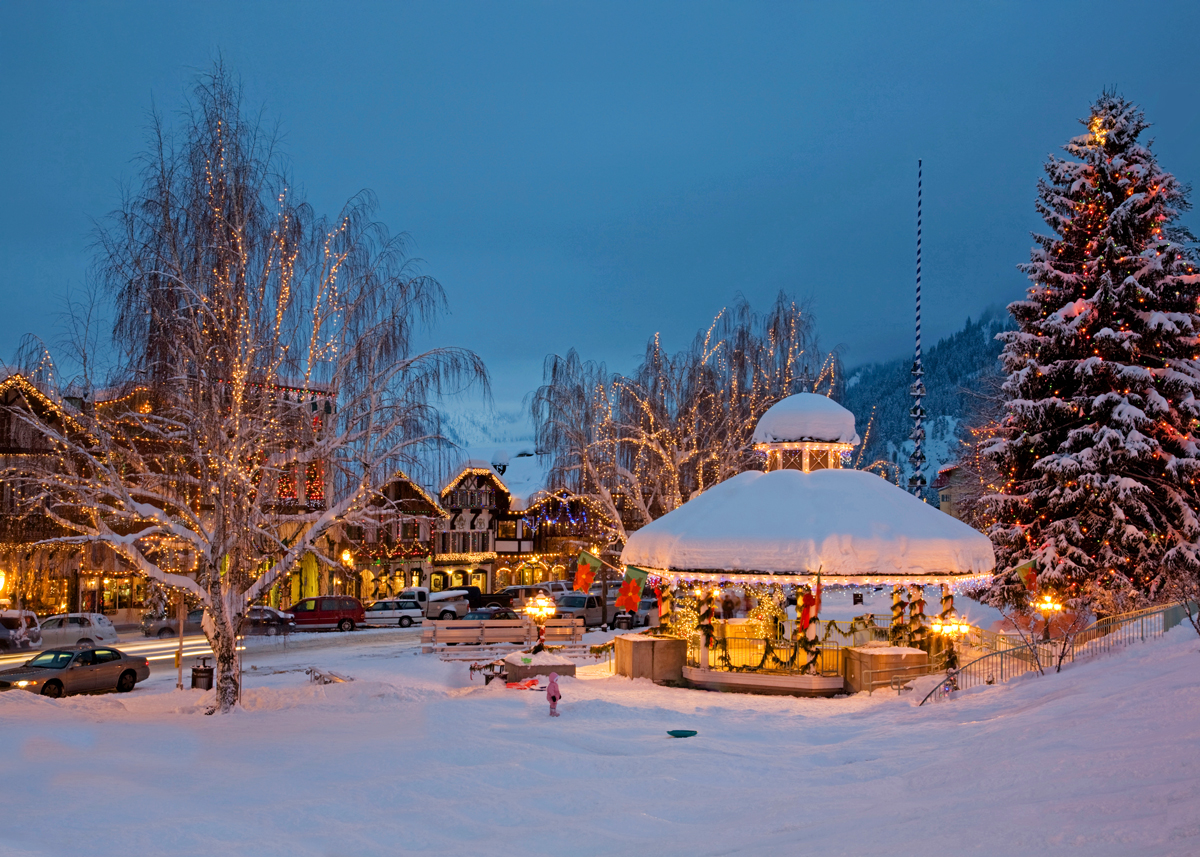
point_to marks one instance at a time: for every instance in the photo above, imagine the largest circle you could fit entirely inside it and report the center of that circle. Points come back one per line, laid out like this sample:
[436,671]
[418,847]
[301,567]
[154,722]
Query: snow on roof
[845,522]
[524,474]
[806,416]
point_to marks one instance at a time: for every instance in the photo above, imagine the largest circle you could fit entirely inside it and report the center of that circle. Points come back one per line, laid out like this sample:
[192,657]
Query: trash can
[624,622]
[202,676]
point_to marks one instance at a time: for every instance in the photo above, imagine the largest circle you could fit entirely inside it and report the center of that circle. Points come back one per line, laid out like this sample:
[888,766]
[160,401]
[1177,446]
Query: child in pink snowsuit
[553,694]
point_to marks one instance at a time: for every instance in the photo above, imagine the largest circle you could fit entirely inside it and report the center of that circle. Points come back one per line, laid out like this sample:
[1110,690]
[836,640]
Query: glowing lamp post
[541,608]
[1049,608]
[348,562]
[950,630]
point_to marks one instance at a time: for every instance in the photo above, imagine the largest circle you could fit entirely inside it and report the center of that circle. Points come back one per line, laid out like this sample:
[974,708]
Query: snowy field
[413,757]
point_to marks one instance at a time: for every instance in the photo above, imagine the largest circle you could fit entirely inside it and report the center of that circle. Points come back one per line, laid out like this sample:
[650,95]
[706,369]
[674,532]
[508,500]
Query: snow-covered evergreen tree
[1097,448]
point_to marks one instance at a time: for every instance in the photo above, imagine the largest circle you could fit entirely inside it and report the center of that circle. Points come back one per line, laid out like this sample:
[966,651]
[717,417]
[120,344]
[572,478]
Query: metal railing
[1100,637]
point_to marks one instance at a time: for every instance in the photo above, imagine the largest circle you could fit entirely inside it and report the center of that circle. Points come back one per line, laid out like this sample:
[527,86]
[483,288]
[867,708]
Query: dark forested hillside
[956,370]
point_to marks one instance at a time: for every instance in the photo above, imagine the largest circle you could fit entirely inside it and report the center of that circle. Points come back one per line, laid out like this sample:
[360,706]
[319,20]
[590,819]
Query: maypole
[916,482]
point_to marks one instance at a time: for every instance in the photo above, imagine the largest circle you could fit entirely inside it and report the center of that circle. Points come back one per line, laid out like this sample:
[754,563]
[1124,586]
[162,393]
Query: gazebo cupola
[805,432]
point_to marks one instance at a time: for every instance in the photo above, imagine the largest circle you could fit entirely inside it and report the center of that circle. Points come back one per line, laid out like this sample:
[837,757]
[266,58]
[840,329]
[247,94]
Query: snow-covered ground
[412,756]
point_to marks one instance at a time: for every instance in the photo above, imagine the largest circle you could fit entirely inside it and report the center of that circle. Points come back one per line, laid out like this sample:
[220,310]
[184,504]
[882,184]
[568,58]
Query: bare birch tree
[636,447]
[268,383]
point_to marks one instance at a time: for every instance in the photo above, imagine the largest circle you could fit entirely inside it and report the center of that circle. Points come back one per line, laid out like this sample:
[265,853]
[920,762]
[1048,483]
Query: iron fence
[1100,637]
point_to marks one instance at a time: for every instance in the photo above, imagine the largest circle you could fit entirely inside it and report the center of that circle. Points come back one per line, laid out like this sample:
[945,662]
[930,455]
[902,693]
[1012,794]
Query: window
[506,530]
[409,531]
[483,542]
[328,604]
[408,605]
[103,656]
[75,621]
[85,659]
[347,603]
[818,459]
[52,624]
[306,606]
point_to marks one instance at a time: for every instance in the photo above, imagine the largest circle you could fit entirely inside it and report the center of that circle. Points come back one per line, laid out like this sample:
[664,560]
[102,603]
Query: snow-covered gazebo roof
[852,525]
[806,417]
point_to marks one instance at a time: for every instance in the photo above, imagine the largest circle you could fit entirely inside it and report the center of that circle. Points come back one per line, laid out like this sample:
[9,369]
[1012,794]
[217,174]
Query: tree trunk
[222,638]
[224,646]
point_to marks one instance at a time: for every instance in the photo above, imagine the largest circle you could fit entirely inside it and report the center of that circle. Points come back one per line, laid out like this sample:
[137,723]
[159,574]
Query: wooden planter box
[872,667]
[520,672]
[656,658]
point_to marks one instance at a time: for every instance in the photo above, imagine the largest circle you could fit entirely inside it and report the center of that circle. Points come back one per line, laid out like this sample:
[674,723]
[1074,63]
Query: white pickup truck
[451,604]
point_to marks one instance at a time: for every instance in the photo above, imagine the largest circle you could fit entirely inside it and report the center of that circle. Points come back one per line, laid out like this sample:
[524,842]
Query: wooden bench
[476,634]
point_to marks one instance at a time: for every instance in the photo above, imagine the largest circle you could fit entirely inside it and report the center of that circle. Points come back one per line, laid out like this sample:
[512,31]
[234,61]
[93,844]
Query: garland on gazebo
[785,657]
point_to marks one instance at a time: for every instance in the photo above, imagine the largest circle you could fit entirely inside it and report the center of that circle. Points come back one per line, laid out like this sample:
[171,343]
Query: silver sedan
[78,669]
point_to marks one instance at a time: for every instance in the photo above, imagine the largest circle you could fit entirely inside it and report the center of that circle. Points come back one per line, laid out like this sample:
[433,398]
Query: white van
[74,629]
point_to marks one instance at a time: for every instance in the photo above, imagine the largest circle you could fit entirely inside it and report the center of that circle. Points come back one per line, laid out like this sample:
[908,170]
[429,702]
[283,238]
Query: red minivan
[328,611]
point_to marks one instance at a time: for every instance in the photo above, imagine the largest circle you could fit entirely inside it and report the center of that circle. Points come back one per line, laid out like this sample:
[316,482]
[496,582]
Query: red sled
[528,684]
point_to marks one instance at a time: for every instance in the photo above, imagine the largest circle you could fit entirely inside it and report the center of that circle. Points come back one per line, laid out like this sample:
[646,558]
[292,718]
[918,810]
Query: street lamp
[1048,607]
[541,608]
[951,630]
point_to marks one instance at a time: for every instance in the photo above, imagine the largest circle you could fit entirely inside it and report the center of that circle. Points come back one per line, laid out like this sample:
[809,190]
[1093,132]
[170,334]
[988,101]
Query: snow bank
[1101,760]
[846,522]
[806,416]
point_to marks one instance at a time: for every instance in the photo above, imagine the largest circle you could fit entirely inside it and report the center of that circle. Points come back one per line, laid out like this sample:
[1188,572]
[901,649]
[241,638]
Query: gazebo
[808,514]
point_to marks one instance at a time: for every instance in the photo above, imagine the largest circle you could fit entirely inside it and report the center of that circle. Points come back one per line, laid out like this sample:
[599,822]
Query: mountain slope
[957,368]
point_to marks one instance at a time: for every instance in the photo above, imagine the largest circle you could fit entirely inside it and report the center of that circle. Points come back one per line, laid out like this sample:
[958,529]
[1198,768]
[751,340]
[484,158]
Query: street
[161,652]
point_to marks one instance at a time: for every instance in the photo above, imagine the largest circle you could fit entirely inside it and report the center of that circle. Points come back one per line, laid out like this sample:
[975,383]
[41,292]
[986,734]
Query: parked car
[78,629]
[576,605]
[168,626]
[522,595]
[19,630]
[646,614]
[261,620]
[492,613]
[58,672]
[478,599]
[398,611]
[328,611]
[614,586]
[450,604]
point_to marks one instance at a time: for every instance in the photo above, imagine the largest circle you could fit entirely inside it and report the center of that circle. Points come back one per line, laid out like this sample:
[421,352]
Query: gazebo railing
[755,655]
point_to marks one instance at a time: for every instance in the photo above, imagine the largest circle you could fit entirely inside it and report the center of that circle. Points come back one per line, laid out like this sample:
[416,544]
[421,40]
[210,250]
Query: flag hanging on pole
[1027,574]
[585,571]
[631,588]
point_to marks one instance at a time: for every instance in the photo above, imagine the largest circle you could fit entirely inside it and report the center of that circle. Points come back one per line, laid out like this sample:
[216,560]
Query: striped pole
[916,482]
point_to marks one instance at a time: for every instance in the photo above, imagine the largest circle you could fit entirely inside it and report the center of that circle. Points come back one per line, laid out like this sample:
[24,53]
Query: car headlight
[24,683]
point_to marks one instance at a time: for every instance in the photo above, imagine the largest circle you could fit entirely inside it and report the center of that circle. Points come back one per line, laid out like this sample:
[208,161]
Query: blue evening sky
[586,174]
